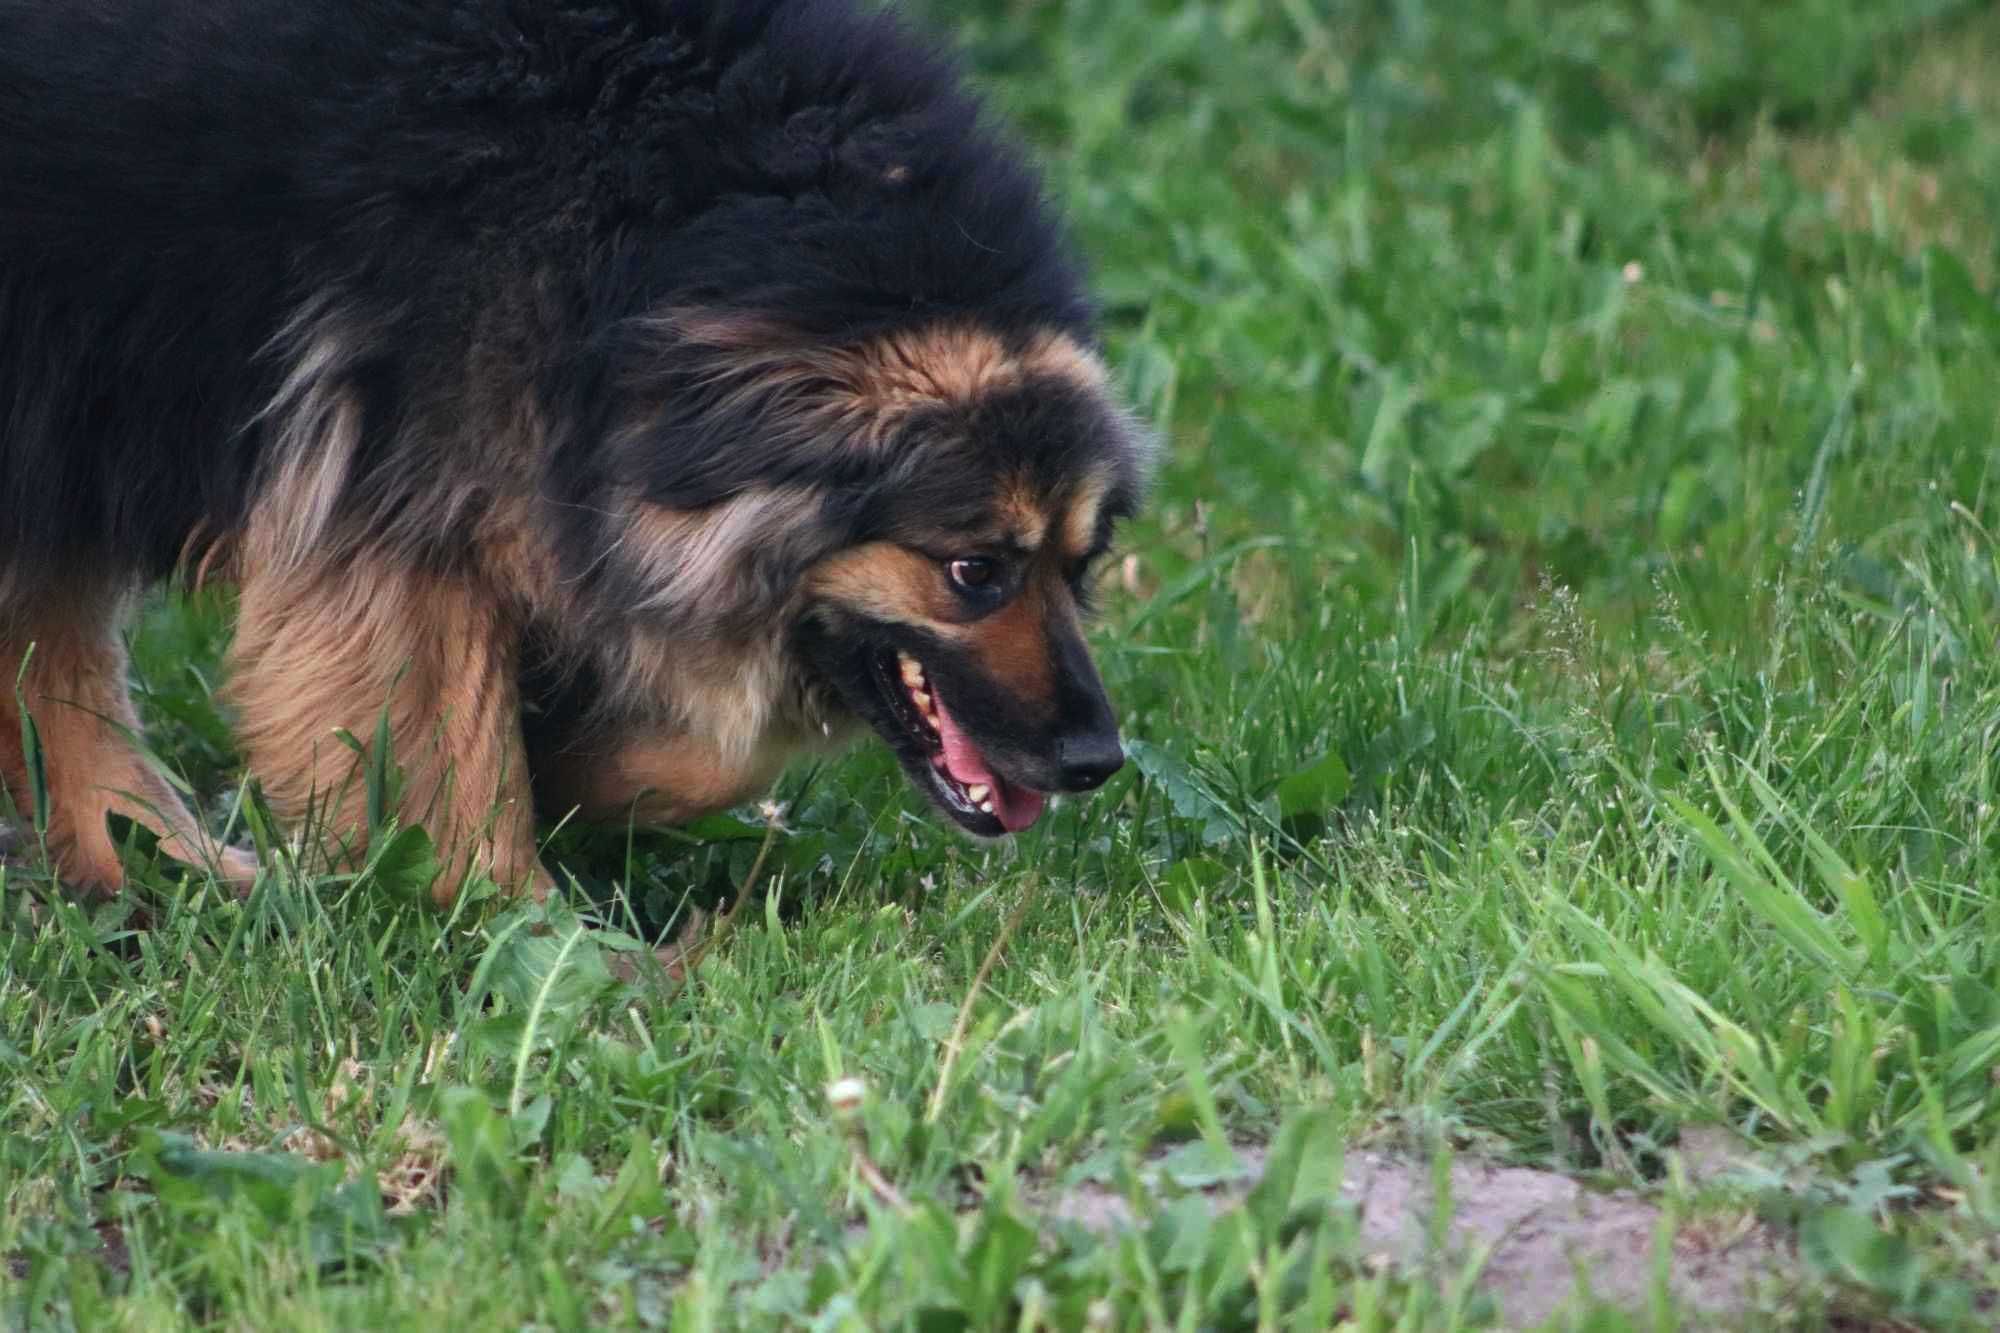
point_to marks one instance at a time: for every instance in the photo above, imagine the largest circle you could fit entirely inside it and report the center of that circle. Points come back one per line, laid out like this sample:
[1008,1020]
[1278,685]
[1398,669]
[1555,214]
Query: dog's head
[914,519]
[953,624]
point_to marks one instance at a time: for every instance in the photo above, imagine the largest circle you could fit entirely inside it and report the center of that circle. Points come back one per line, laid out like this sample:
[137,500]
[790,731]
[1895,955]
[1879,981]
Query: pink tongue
[1015,807]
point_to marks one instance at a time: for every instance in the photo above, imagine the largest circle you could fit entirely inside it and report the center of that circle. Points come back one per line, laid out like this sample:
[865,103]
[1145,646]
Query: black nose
[1084,762]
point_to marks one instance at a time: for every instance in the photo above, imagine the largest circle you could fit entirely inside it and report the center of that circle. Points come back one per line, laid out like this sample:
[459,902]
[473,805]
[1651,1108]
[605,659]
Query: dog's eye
[973,573]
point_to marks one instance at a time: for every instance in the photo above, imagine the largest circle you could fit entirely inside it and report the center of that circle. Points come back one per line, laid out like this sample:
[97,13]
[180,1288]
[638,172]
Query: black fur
[181,179]
[491,297]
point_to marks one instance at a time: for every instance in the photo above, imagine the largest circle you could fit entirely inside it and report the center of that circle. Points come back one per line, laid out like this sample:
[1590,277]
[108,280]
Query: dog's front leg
[321,649]
[62,656]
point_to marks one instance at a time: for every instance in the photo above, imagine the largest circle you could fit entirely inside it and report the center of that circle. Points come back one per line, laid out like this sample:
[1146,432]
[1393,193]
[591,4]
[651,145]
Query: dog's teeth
[923,701]
[987,806]
[978,792]
[913,671]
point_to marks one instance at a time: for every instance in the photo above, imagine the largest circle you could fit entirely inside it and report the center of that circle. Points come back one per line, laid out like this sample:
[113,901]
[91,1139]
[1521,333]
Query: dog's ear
[719,403]
[729,400]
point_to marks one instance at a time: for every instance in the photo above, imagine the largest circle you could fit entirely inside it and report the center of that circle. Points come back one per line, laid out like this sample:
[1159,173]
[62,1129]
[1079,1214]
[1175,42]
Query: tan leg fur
[75,689]
[318,650]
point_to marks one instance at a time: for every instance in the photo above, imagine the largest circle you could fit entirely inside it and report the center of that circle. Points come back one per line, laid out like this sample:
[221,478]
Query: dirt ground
[1538,1233]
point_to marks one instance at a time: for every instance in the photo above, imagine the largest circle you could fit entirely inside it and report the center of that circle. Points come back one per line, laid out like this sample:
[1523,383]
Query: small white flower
[846,1094]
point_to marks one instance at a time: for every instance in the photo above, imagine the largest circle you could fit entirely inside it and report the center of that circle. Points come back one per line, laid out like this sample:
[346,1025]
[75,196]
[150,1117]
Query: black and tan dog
[710,363]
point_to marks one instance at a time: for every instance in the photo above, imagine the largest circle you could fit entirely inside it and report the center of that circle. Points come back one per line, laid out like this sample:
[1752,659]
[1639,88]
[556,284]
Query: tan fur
[203,556]
[865,391]
[1079,523]
[727,692]
[890,583]
[881,382]
[660,779]
[691,556]
[951,363]
[320,649]
[1059,356]
[1012,645]
[318,431]
[944,364]
[1023,518]
[75,690]
[517,559]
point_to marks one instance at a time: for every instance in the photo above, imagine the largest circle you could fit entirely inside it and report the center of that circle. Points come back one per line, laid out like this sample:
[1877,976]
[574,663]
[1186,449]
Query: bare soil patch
[1535,1235]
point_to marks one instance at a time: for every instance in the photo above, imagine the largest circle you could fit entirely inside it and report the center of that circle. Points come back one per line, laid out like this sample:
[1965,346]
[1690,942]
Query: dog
[599,401]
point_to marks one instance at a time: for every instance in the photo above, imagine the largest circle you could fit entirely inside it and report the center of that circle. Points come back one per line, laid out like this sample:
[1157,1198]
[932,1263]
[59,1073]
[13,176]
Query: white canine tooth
[923,700]
[978,791]
[913,672]
[987,806]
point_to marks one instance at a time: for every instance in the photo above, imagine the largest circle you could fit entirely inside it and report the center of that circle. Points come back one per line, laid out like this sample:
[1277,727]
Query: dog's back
[183,183]
[147,191]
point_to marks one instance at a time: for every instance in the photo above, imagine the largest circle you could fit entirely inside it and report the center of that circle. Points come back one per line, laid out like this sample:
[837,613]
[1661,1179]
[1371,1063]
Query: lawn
[1560,658]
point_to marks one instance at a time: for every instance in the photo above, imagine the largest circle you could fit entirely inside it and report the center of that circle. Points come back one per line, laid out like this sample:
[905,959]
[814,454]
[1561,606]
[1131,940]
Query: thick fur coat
[696,362]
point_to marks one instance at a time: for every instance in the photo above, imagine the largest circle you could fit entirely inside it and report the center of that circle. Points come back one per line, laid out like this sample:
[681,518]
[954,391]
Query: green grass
[1562,661]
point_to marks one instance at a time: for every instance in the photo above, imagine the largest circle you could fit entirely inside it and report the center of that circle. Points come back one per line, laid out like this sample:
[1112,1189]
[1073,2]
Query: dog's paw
[671,962]
[237,868]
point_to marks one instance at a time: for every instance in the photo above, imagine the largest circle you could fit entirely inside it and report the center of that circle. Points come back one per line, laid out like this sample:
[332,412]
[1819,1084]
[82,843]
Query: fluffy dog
[711,364]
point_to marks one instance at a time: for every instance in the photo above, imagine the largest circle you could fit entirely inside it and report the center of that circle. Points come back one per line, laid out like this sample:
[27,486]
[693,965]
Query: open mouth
[961,778]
